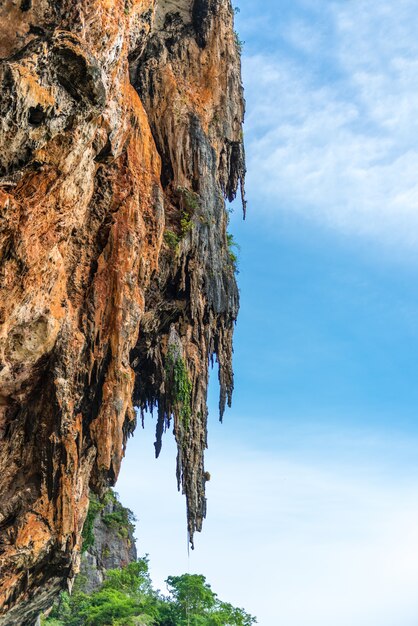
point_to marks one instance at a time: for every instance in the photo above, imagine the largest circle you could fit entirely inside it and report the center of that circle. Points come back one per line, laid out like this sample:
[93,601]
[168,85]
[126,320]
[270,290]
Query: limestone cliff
[108,541]
[120,138]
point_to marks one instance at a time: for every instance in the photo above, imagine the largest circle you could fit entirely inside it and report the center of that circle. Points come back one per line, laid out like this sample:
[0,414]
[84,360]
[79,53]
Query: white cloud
[333,134]
[304,36]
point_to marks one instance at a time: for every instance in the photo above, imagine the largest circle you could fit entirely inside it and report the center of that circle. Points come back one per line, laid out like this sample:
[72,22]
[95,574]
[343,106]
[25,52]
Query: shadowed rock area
[120,138]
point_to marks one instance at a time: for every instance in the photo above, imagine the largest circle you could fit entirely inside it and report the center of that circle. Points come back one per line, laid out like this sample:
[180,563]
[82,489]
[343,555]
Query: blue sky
[313,502]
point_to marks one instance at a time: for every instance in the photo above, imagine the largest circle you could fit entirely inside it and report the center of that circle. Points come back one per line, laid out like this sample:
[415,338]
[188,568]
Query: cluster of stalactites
[192,303]
[172,376]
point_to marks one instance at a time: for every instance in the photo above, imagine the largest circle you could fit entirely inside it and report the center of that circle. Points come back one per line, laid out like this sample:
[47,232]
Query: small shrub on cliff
[171,239]
[189,200]
[232,248]
[186,223]
[180,386]
[189,205]
[95,506]
[238,42]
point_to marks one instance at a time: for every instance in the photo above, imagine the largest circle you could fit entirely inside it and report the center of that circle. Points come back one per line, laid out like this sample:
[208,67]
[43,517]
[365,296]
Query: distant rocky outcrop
[109,541]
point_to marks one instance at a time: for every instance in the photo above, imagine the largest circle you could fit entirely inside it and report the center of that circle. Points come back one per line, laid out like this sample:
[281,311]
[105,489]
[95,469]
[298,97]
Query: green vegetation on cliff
[180,385]
[120,519]
[95,506]
[127,598]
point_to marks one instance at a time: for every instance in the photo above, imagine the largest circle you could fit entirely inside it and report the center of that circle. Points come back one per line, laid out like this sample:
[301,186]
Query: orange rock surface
[120,137]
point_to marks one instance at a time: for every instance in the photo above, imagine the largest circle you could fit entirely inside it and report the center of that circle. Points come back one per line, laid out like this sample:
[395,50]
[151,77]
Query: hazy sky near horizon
[313,502]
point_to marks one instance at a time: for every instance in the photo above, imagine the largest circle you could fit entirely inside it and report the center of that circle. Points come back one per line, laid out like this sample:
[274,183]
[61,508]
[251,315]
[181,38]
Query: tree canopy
[127,598]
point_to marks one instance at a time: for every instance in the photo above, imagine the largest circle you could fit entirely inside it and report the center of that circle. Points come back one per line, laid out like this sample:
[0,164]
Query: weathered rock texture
[112,542]
[120,137]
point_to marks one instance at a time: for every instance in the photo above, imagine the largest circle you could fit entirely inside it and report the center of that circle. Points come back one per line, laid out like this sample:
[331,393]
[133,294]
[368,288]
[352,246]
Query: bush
[232,248]
[171,239]
[180,386]
[95,506]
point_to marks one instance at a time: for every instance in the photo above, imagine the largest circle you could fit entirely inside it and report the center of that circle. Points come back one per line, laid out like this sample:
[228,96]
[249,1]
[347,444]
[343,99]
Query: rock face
[109,542]
[120,138]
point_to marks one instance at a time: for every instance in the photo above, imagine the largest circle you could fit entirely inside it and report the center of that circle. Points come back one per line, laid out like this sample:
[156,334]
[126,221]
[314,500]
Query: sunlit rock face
[120,138]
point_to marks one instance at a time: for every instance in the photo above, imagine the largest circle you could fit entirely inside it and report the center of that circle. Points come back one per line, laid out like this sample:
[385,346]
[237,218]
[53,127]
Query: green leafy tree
[192,599]
[127,598]
[193,603]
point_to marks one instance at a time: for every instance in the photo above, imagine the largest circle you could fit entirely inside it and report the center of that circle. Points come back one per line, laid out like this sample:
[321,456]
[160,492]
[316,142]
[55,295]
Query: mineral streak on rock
[120,138]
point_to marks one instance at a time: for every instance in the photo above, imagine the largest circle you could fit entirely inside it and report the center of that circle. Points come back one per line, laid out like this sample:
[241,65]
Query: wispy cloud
[331,132]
